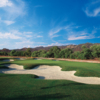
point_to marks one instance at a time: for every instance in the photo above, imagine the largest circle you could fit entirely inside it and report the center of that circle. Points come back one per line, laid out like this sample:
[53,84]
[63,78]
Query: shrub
[72,56]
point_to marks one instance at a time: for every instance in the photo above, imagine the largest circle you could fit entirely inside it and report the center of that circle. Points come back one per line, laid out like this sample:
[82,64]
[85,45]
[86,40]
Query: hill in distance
[73,47]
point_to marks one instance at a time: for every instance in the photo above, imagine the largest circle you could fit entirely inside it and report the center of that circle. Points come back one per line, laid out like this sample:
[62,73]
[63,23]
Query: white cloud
[25,42]
[4,3]
[54,31]
[8,22]
[9,36]
[92,9]
[58,44]
[39,36]
[28,32]
[15,34]
[12,9]
[81,36]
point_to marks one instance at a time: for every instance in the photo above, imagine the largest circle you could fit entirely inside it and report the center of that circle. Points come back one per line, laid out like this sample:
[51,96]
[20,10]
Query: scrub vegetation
[56,52]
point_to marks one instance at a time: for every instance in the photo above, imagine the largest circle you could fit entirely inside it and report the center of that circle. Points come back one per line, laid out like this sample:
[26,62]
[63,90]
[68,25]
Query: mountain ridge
[73,47]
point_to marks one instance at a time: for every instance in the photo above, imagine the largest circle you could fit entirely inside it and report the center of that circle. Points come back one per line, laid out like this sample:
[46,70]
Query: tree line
[56,52]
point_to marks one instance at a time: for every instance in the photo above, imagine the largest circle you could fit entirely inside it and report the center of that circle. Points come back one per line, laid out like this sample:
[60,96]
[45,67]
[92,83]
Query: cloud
[53,32]
[25,42]
[79,38]
[92,9]
[8,22]
[9,36]
[81,35]
[58,44]
[4,3]
[28,32]
[12,9]
[15,34]
[39,36]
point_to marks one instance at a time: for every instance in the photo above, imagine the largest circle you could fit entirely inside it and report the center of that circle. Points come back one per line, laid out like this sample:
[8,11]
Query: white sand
[8,60]
[50,72]
[14,66]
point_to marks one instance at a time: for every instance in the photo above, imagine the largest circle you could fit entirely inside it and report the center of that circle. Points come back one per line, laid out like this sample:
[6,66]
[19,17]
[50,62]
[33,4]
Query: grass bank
[26,87]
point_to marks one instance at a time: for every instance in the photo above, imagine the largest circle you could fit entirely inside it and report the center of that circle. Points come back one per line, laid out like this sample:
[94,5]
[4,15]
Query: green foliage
[4,53]
[54,52]
[40,53]
[83,47]
[65,53]
[72,56]
[68,52]
[85,54]
[76,54]
[28,52]
[95,50]
[13,53]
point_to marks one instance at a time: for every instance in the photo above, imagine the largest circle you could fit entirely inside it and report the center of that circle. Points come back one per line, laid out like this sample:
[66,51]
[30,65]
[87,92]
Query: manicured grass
[82,68]
[26,87]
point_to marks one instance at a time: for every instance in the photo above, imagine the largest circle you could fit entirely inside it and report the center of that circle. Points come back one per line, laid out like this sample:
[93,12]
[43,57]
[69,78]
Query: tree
[54,51]
[95,50]
[83,47]
[85,54]
[13,53]
[65,53]
[68,52]
[28,52]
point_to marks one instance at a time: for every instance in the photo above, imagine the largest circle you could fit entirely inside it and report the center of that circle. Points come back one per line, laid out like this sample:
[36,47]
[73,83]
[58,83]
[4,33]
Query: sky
[34,23]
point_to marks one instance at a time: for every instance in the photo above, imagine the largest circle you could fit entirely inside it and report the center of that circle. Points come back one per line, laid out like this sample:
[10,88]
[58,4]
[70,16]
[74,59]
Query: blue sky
[33,23]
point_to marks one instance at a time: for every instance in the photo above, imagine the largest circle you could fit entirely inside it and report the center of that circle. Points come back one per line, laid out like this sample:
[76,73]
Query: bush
[81,56]
[72,56]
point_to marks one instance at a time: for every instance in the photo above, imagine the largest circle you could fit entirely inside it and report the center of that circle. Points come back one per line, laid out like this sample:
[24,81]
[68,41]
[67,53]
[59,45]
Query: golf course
[42,79]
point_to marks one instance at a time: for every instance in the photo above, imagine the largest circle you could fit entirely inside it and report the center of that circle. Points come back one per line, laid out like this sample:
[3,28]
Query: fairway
[23,87]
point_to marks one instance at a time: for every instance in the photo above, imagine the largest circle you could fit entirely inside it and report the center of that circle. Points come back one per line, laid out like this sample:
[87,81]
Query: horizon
[36,23]
[50,46]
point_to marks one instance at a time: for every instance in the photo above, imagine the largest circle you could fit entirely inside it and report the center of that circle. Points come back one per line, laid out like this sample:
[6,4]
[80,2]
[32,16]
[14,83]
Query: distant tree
[13,53]
[54,51]
[76,53]
[65,53]
[85,54]
[95,50]
[72,56]
[83,47]
[35,54]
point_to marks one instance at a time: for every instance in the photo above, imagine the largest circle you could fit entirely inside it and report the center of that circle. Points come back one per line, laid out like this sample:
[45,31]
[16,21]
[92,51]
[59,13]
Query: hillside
[73,47]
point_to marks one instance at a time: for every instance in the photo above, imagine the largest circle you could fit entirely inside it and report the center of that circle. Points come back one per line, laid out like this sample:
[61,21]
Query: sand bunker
[37,59]
[8,60]
[50,72]
[13,66]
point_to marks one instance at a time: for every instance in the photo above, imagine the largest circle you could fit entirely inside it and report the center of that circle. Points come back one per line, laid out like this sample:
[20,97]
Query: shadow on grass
[40,97]
[69,84]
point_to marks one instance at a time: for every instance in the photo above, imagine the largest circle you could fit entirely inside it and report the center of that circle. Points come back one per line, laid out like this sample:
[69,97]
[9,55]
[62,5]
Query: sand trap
[37,59]
[8,60]
[50,72]
[20,58]
[14,66]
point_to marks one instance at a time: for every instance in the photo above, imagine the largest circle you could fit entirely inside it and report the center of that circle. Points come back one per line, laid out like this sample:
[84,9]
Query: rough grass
[26,87]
